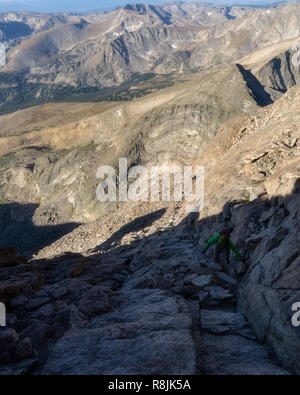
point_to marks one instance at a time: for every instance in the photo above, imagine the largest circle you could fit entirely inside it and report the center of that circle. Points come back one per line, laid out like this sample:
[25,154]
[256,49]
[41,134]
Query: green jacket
[216,239]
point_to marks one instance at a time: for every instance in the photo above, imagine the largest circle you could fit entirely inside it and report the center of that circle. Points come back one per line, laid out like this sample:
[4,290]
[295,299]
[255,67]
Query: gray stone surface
[235,355]
[202,281]
[218,321]
[148,333]
[217,292]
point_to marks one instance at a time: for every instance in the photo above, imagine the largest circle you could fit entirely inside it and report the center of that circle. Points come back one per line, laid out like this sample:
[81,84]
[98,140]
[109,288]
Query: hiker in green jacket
[223,243]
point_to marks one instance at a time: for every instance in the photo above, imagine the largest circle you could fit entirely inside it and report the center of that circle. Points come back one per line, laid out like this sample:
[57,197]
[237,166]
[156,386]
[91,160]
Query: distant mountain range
[89,5]
[58,57]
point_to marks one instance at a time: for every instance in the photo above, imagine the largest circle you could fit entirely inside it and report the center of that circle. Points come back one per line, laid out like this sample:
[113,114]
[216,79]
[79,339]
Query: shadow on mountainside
[115,276]
[257,90]
[133,226]
[18,230]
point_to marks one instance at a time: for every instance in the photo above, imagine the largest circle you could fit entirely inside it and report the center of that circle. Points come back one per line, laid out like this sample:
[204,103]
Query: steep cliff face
[271,73]
[280,74]
[262,199]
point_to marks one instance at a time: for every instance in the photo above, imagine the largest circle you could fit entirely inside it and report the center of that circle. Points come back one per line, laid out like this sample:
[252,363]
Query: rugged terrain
[129,293]
[77,57]
[53,162]
[51,153]
[123,288]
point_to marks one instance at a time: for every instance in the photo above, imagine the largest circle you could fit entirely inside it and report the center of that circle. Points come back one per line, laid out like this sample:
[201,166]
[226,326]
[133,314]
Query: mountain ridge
[96,52]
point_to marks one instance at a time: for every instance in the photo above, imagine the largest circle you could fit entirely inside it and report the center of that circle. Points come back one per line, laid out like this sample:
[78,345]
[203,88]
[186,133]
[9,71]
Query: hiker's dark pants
[219,250]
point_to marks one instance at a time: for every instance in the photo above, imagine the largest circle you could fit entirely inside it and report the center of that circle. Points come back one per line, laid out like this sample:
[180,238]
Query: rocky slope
[262,200]
[17,27]
[136,295]
[129,307]
[123,288]
[50,154]
[273,70]
[78,57]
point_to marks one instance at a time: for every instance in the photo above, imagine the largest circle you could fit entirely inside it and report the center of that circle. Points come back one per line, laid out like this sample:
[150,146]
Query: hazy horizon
[52,6]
